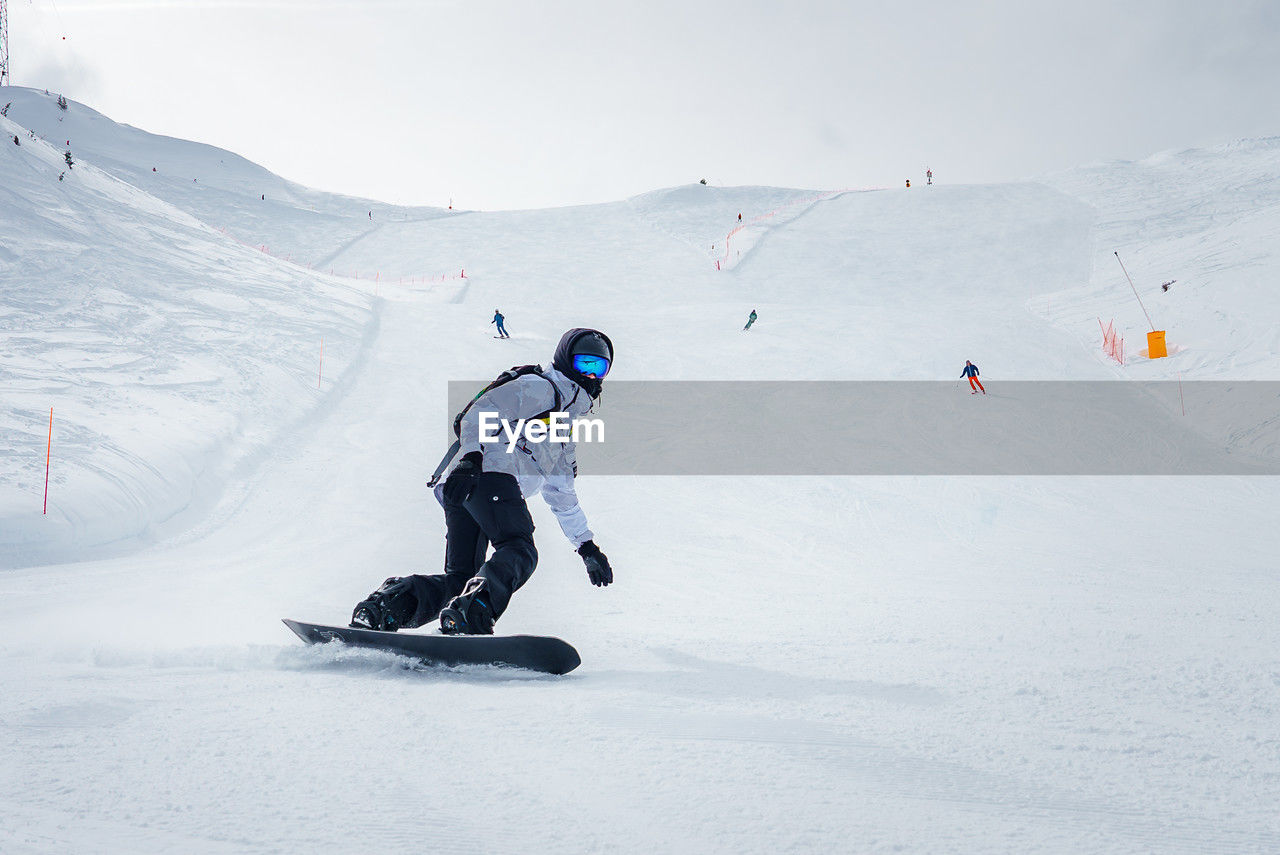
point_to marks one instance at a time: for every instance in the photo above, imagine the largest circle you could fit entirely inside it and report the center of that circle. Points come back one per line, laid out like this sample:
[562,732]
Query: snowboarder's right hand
[598,569]
[462,480]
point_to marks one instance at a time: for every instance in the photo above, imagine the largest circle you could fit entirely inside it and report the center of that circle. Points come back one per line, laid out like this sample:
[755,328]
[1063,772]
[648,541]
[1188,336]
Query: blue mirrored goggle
[585,363]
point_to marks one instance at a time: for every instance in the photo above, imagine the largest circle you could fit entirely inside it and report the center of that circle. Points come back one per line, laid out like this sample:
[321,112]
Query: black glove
[598,569]
[462,480]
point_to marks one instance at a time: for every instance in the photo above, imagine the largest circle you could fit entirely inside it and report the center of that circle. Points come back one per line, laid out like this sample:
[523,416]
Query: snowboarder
[971,371]
[751,319]
[908,183]
[484,501]
[497,319]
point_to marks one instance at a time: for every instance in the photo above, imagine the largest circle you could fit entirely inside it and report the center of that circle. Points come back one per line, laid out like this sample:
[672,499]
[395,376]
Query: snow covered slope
[1205,219]
[168,353]
[216,186]
[807,664]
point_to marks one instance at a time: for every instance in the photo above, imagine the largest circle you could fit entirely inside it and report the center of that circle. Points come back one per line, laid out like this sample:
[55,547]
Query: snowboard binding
[387,609]
[469,613]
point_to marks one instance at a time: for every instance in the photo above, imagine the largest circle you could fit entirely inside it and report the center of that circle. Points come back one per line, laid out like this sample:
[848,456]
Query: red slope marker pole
[48,453]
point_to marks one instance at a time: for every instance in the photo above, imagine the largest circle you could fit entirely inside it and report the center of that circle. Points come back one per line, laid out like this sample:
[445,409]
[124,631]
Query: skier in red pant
[971,371]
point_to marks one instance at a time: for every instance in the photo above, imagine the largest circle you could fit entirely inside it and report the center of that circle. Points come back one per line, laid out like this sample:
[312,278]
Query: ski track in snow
[873,664]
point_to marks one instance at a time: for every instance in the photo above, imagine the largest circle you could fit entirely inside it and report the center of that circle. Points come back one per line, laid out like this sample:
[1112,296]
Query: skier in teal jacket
[497,319]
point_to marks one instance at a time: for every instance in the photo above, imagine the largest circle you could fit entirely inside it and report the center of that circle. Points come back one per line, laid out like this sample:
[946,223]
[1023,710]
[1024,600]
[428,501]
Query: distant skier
[497,319]
[484,501]
[751,319]
[971,371]
[928,174]
[16,141]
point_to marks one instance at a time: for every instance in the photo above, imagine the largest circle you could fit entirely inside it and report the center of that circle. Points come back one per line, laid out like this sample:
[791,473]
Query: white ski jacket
[547,467]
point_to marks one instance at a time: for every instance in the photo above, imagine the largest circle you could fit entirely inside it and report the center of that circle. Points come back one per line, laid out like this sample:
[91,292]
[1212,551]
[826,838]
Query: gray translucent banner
[928,428]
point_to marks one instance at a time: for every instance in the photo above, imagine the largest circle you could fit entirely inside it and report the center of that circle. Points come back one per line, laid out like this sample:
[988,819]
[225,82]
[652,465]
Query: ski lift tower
[4,43]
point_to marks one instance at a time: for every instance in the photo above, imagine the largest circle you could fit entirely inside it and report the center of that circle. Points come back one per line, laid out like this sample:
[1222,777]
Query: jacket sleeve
[562,498]
[522,398]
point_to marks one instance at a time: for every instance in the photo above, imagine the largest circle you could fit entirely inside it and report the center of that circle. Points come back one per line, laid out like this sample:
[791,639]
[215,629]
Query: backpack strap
[502,379]
[513,373]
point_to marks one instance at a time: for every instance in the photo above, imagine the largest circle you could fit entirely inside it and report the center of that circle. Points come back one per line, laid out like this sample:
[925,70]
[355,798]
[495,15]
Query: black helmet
[586,343]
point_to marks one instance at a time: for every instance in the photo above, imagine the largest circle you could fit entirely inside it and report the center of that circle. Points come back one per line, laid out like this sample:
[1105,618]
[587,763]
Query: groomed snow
[809,664]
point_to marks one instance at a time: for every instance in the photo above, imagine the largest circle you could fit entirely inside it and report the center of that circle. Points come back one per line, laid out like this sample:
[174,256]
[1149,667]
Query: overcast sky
[556,102]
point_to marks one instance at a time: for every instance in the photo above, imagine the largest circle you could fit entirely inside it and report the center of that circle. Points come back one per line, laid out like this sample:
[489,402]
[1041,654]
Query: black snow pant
[495,513]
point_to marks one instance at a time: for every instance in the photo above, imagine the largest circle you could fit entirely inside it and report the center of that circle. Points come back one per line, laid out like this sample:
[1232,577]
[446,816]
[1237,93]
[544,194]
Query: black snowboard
[534,652]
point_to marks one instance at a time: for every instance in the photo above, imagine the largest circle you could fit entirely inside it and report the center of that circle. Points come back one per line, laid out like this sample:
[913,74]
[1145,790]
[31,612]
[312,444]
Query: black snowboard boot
[470,612]
[388,608]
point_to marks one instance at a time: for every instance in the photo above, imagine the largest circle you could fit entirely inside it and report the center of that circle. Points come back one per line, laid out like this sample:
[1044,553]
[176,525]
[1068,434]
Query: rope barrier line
[722,263]
[377,277]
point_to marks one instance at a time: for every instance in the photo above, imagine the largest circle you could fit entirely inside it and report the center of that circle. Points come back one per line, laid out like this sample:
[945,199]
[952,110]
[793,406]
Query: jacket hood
[563,360]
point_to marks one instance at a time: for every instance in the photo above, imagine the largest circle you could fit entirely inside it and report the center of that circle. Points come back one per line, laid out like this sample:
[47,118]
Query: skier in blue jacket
[497,319]
[971,371]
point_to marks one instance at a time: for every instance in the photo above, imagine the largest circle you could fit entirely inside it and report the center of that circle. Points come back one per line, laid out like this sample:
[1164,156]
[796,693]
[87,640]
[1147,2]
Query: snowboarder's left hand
[598,569]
